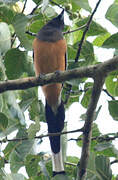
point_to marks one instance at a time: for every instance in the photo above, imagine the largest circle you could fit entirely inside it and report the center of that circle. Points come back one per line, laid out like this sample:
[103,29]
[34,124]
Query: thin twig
[41,136]
[113,162]
[67,93]
[24,6]
[99,139]
[68,32]
[64,33]
[34,9]
[84,33]
[13,38]
[30,33]
[105,90]
[56,4]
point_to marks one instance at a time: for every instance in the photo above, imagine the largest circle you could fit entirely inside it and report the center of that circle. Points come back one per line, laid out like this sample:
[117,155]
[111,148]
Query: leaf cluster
[16,108]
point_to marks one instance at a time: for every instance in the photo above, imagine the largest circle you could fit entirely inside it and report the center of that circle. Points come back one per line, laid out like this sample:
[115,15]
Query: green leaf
[111,42]
[14,109]
[91,168]
[36,110]
[107,149]
[29,66]
[98,168]
[95,133]
[71,53]
[87,95]
[2,162]
[2,174]
[97,113]
[34,128]
[8,149]
[6,14]
[95,130]
[72,159]
[76,36]
[13,176]
[31,165]
[88,52]
[71,170]
[87,56]
[112,14]
[16,161]
[113,109]
[27,97]
[1,103]
[116,52]
[20,22]
[100,39]
[95,28]
[3,121]
[103,167]
[13,112]
[60,177]
[44,170]
[49,11]
[5,38]
[45,5]
[37,1]
[10,1]
[103,146]
[36,25]
[83,4]
[20,151]
[112,84]
[14,63]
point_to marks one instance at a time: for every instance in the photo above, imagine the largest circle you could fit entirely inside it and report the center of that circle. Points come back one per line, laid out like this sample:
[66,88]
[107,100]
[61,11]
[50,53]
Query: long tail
[55,123]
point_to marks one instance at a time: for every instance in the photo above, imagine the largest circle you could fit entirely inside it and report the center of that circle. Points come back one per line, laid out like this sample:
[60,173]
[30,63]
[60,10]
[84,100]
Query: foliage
[16,62]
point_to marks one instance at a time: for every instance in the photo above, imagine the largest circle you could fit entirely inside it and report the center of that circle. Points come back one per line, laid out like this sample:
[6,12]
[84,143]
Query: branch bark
[86,29]
[41,136]
[97,88]
[90,71]
[99,139]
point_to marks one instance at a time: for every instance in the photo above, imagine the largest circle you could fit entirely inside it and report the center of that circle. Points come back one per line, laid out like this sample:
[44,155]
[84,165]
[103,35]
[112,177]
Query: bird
[49,53]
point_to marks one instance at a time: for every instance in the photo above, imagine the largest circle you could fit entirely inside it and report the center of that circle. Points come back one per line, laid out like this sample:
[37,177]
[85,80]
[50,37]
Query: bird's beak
[62,15]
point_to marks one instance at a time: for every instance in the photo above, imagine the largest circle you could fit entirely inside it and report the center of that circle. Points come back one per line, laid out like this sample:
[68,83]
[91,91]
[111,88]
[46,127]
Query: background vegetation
[17,31]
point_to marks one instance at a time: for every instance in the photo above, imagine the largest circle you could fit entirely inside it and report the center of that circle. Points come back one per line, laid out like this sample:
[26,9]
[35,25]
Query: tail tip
[56,173]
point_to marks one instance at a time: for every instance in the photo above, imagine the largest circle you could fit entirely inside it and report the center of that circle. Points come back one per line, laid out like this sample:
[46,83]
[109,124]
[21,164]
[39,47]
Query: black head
[57,22]
[52,31]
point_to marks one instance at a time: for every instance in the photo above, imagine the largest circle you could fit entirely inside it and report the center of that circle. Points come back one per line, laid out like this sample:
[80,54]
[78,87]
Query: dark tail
[55,124]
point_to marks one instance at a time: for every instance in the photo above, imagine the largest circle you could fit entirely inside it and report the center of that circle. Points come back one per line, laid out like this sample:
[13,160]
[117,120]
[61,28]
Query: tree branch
[105,90]
[34,9]
[99,139]
[89,71]
[84,33]
[64,33]
[24,6]
[97,88]
[56,4]
[30,33]
[68,32]
[113,162]
[41,136]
